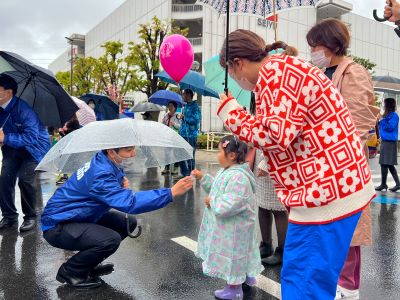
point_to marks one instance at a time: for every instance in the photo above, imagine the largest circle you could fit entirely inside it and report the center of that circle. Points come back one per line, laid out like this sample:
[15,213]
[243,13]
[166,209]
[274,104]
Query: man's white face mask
[126,162]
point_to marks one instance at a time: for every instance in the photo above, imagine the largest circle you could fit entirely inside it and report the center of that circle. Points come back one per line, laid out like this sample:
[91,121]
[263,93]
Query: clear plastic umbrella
[156,144]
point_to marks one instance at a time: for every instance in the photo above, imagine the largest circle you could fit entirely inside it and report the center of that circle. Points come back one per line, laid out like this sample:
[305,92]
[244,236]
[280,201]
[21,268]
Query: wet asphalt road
[155,267]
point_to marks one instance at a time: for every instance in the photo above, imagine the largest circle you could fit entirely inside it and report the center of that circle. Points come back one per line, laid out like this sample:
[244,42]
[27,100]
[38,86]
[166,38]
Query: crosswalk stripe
[267,285]
[186,242]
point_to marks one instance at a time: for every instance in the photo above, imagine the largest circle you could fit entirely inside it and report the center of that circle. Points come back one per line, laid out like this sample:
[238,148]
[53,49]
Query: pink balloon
[176,56]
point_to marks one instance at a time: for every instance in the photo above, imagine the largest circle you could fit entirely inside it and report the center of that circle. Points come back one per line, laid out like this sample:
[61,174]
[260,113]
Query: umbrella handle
[379,19]
[375,15]
[130,234]
[384,19]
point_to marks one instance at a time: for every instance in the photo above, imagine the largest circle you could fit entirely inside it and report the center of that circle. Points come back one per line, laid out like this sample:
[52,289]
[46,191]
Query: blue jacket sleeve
[29,131]
[108,190]
[390,123]
[194,117]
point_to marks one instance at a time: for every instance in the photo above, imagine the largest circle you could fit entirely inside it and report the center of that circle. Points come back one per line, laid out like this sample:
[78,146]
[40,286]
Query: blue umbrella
[108,108]
[163,97]
[192,80]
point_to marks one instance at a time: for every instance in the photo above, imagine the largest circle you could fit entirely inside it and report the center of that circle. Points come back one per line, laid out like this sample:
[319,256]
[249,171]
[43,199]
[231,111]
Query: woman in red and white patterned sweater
[312,153]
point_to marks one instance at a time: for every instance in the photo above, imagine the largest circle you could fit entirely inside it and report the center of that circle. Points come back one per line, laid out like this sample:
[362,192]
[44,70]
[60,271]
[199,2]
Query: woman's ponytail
[288,50]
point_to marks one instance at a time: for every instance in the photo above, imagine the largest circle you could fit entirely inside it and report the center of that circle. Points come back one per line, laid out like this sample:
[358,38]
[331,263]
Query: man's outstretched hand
[182,186]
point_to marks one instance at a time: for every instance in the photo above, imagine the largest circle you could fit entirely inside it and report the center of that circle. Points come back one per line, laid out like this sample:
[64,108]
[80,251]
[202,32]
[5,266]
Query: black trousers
[17,163]
[94,241]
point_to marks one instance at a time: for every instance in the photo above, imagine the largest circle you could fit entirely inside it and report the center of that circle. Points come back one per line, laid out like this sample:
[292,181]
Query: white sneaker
[342,293]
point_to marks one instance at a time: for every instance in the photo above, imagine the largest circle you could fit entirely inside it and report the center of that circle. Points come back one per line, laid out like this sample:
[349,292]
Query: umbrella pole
[227,47]
[275,29]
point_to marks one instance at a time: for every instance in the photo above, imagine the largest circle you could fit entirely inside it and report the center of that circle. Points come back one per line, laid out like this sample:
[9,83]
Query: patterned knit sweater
[312,150]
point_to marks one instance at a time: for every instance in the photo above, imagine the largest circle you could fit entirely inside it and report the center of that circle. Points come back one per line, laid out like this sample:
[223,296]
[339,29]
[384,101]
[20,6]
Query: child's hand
[261,173]
[125,183]
[198,174]
[182,186]
[207,201]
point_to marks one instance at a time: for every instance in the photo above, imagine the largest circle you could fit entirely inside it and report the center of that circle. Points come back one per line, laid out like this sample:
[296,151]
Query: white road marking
[186,242]
[267,285]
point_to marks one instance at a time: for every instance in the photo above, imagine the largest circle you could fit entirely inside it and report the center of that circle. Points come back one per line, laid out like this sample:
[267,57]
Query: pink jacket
[355,85]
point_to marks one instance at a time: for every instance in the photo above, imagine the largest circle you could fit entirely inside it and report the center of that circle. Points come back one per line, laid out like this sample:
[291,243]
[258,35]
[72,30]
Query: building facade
[370,39]
[76,49]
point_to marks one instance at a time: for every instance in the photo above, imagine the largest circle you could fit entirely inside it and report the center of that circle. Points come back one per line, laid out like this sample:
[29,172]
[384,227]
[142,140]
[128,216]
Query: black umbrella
[387,79]
[40,89]
[105,105]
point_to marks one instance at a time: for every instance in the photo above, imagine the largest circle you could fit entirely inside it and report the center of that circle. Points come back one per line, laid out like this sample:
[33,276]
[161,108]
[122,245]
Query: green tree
[113,69]
[83,75]
[145,53]
[83,80]
[365,62]
[64,78]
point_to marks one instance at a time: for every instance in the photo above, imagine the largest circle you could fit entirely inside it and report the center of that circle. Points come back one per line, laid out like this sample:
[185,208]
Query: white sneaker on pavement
[342,293]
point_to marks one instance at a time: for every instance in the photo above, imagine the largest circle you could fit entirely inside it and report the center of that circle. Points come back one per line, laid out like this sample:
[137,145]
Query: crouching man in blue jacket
[78,217]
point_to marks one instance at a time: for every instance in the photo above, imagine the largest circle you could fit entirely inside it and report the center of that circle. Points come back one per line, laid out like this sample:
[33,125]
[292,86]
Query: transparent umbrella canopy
[156,144]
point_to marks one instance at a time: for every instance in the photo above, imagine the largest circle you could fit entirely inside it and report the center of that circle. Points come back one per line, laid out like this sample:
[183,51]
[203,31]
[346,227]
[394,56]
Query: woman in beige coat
[329,40]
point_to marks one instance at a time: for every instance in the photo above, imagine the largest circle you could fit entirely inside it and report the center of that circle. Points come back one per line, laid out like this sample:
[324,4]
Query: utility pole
[71,42]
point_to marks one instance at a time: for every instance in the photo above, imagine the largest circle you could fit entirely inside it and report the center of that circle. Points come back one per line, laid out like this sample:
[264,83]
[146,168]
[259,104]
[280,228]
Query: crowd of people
[299,157]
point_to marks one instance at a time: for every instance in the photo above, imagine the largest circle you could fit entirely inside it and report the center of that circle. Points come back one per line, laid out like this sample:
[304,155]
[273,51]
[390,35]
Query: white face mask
[92,105]
[126,162]
[319,59]
[122,159]
[245,84]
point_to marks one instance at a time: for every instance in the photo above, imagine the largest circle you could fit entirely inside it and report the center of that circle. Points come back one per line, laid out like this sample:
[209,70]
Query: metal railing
[196,41]
[186,8]
[213,139]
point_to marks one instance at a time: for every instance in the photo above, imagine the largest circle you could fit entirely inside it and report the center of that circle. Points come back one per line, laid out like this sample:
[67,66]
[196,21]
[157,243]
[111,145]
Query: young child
[227,241]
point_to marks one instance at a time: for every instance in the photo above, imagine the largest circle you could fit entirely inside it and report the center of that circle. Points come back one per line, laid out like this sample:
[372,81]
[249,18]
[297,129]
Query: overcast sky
[36,29]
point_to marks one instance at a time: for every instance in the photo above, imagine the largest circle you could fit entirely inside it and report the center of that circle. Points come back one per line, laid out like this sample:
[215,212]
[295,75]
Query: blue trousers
[313,258]
[187,166]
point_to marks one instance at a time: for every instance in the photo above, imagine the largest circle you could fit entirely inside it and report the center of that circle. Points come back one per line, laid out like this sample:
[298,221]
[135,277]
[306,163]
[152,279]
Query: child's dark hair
[232,144]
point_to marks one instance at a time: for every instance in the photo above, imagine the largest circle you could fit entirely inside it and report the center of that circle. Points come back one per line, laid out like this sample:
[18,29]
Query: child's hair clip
[224,144]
